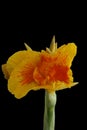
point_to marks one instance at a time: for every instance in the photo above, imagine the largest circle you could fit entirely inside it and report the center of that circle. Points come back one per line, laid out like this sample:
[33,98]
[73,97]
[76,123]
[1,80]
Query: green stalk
[49,112]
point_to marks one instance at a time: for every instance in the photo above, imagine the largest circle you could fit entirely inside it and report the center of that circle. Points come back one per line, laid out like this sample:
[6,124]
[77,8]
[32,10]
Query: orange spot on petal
[27,74]
[38,77]
[60,73]
[48,70]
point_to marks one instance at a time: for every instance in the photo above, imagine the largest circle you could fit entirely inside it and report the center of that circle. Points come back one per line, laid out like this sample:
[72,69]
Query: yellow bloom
[31,70]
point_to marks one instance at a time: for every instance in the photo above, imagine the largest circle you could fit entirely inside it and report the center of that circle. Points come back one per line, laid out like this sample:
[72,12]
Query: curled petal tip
[48,50]
[53,39]
[27,47]
[53,45]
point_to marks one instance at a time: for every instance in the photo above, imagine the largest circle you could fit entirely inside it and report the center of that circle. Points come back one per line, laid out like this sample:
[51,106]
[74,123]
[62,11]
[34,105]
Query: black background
[37,28]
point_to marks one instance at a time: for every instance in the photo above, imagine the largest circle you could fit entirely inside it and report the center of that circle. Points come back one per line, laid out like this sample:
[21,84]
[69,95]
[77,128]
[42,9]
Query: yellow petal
[66,54]
[21,78]
[22,90]
[15,59]
[4,70]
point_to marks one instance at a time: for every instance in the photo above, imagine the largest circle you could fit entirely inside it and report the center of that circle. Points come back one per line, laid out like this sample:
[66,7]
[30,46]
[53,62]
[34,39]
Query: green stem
[49,112]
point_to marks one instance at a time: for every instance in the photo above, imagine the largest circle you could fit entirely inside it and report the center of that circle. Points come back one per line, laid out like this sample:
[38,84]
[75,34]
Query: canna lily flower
[49,69]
